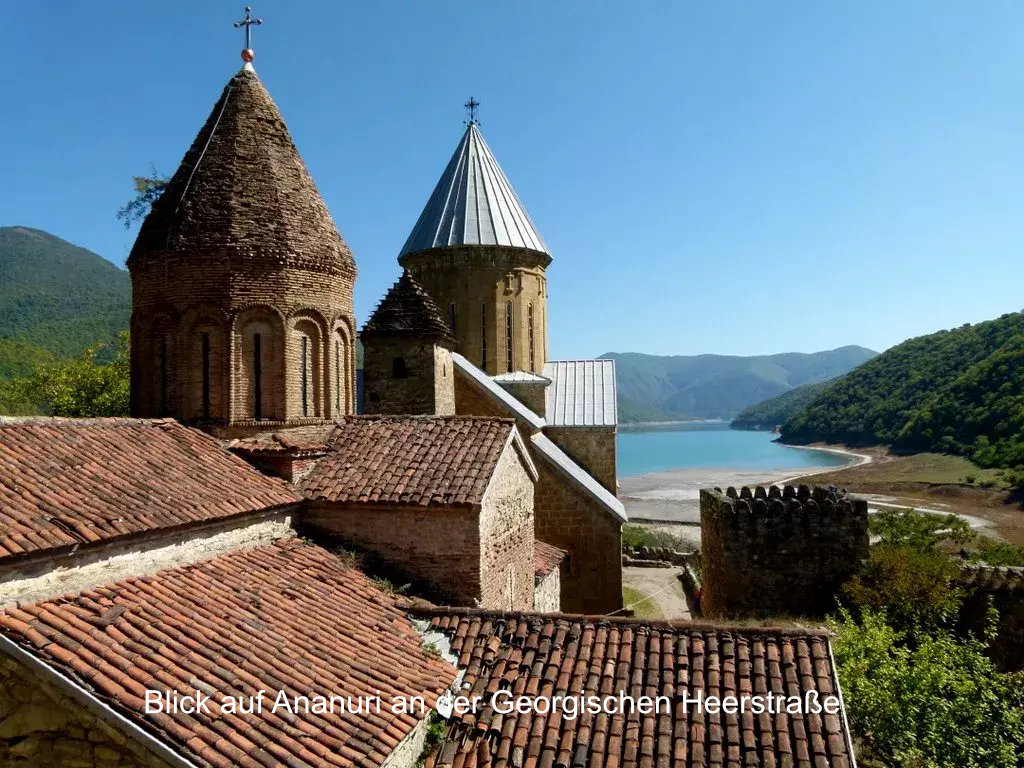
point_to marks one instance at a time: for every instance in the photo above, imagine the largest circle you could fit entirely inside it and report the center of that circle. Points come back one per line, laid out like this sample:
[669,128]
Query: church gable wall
[40,727]
[565,517]
[506,536]
[439,545]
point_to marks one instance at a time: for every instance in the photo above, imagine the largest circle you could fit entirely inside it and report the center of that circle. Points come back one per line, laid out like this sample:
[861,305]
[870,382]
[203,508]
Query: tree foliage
[777,410]
[81,387]
[147,191]
[877,401]
[927,699]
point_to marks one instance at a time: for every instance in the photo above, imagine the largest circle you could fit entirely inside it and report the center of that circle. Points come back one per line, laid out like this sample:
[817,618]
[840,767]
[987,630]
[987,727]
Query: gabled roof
[582,393]
[416,460]
[243,187]
[544,656]
[473,204]
[541,443]
[284,617]
[408,309]
[68,482]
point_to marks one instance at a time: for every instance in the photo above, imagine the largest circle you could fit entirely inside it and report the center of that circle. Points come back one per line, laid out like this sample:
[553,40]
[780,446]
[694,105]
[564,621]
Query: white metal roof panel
[581,394]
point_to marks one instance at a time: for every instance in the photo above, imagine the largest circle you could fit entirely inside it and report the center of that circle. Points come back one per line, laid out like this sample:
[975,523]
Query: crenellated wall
[778,550]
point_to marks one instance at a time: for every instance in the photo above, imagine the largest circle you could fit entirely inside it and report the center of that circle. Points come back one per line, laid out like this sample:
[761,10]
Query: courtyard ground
[654,593]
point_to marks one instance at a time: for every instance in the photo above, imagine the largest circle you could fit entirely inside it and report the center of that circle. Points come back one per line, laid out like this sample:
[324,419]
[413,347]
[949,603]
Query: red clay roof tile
[543,655]
[417,460]
[70,481]
[546,557]
[288,616]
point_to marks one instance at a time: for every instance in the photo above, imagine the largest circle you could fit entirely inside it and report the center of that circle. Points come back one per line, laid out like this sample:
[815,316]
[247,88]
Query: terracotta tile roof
[543,656]
[72,481]
[546,557]
[289,616]
[408,309]
[311,438]
[419,460]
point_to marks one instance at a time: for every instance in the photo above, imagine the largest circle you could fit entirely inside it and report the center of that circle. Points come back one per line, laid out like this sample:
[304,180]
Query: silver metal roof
[473,204]
[581,394]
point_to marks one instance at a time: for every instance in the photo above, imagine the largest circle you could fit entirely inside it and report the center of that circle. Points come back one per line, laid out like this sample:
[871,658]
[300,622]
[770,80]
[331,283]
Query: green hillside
[653,387]
[775,411]
[55,299]
[948,391]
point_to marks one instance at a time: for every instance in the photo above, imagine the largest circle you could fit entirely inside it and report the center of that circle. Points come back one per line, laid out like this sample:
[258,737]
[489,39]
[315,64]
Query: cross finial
[248,22]
[471,106]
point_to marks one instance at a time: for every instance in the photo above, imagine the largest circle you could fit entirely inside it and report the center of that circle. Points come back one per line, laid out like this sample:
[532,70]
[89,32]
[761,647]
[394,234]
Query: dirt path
[661,586]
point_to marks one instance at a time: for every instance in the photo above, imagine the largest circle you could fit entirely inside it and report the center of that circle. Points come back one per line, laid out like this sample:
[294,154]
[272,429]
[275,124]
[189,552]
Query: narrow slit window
[304,371]
[337,376]
[483,338]
[508,336]
[163,376]
[451,317]
[206,376]
[529,331]
[257,376]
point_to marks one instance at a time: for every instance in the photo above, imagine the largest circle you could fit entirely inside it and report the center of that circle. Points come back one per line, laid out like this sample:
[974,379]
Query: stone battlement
[779,550]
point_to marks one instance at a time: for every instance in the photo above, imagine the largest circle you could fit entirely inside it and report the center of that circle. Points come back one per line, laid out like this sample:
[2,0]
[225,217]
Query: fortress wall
[778,551]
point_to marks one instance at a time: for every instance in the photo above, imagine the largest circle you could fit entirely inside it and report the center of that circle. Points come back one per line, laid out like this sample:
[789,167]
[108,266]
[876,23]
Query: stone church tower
[242,316]
[476,252]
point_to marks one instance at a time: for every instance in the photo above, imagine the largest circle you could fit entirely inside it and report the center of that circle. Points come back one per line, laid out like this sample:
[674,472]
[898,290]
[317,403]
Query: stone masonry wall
[40,727]
[775,550]
[547,593]
[506,537]
[439,545]
[424,384]
[475,285]
[1003,588]
[593,448]
[529,393]
[569,519]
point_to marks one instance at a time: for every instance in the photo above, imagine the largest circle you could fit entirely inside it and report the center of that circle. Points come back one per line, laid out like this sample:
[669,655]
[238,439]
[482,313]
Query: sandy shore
[673,496]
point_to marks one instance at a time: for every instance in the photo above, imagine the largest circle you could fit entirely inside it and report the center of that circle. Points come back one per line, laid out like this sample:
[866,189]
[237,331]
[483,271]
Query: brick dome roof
[243,187]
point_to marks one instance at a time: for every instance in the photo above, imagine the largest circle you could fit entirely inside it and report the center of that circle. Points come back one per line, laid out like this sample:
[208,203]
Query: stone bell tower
[242,316]
[477,253]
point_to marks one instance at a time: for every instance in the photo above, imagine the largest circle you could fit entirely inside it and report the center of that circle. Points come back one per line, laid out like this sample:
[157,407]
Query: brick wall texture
[477,285]
[593,448]
[569,519]
[778,550]
[425,386]
[42,728]
[241,245]
[471,555]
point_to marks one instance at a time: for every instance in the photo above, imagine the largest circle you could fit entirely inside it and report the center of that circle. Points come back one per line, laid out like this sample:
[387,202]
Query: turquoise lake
[711,444]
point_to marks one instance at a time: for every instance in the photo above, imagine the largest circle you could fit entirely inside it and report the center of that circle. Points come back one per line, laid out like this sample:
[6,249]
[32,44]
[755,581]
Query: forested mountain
[55,299]
[958,391]
[654,388]
[775,411]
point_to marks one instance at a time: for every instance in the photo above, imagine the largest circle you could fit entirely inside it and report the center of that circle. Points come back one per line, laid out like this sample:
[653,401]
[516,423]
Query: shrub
[927,700]
[639,536]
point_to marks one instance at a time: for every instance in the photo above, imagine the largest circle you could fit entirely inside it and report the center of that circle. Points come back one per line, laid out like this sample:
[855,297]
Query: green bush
[639,536]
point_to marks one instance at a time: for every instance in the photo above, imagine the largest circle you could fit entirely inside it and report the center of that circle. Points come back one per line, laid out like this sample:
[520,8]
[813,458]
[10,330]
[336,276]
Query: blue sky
[733,177]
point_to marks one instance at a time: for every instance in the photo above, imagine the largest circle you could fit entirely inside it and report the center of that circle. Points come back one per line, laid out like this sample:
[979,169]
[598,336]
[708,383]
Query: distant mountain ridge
[663,388]
[775,411]
[56,299]
[957,391]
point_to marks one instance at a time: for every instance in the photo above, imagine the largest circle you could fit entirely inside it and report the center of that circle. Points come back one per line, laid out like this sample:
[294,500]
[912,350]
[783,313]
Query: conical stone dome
[242,186]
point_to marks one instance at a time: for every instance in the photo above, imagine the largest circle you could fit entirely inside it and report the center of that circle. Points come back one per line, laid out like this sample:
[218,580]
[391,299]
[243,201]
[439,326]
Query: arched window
[398,369]
[483,337]
[257,376]
[508,336]
[337,377]
[529,333]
